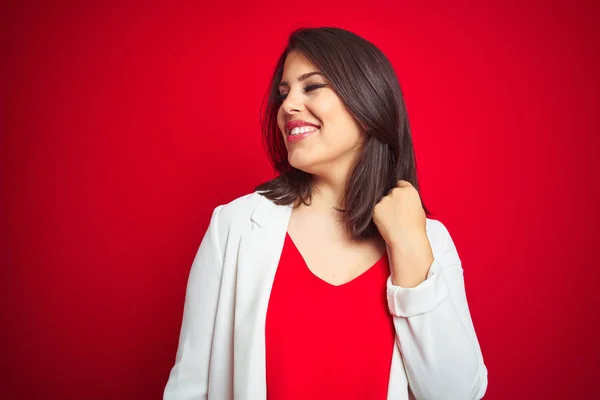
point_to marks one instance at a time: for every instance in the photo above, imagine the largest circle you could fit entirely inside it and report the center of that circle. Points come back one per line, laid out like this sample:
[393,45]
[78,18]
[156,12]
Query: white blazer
[221,351]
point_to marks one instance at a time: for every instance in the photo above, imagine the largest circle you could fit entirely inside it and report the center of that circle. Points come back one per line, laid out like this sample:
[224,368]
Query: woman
[329,281]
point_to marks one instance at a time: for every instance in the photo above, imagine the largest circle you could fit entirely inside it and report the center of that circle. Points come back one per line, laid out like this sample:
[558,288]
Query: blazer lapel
[258,257]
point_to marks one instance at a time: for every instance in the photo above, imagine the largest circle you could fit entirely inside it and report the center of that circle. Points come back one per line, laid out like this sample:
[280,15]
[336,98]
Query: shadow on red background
[123,126]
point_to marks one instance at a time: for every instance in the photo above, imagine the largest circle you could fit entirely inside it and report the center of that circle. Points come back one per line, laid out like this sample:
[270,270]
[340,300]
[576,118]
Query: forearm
[437,339]
[410,262]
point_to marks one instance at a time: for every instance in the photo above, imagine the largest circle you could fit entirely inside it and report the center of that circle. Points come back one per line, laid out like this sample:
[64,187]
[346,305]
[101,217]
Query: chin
[303,164]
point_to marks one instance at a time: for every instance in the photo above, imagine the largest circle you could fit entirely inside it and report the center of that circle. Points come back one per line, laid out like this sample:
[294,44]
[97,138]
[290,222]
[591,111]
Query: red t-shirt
[325,341]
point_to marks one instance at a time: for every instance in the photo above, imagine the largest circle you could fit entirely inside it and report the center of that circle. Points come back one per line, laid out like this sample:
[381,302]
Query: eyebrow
[301,78]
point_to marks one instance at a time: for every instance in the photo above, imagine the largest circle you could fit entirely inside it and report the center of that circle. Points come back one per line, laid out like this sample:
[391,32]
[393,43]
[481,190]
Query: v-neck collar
[351,282]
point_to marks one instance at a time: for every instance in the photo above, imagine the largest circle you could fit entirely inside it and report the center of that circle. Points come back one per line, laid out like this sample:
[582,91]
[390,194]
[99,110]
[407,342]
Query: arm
[436,336]
[188,379]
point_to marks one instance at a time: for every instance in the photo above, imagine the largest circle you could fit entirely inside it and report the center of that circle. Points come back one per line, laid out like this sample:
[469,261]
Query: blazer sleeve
[188,379]
[441,354]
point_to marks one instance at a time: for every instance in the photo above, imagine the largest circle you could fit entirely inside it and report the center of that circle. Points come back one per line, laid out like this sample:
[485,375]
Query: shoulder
[243,205]
[239,213]
[231,218]
[441,242]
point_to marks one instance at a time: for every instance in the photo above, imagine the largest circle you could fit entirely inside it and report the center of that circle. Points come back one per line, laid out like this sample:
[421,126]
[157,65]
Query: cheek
[280,122]
[342,129]
[321,109]
[279,118]
[280,125]
[329,110]
[331,115]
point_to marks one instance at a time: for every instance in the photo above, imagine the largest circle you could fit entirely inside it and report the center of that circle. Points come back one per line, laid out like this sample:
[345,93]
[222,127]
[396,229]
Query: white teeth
[303,129]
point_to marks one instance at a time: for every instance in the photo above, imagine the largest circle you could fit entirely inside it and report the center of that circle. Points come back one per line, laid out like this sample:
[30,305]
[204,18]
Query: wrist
[410,261]
[417,244]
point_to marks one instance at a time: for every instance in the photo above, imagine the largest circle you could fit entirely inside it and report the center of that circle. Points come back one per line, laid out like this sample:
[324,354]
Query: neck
[328,192]
[329,185]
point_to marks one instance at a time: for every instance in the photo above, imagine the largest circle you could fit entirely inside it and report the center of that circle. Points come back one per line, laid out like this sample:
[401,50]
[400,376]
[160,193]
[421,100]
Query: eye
[309,88]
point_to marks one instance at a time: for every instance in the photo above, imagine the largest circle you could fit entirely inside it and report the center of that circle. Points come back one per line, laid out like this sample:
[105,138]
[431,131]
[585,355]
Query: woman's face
[331,138]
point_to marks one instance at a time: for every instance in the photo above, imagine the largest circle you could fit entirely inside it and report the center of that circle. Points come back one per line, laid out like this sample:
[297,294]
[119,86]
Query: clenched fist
[401,221]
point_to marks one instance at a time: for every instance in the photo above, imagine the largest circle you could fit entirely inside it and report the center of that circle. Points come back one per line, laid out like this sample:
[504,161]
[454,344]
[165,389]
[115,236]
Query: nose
[292,103]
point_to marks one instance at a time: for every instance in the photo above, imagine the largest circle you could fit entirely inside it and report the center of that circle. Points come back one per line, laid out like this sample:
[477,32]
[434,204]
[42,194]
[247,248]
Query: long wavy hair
[364,79]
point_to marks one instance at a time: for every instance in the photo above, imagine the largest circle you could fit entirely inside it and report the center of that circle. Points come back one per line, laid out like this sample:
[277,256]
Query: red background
[124,125]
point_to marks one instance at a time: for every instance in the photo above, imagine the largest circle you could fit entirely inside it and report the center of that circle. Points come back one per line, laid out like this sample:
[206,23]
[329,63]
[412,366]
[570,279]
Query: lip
[297,138]
[298,123]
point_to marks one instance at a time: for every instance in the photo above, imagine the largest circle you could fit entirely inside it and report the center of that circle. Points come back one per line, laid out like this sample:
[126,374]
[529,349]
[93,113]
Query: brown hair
[365,81]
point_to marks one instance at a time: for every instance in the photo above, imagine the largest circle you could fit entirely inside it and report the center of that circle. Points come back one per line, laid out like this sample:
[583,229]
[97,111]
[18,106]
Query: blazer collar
[258,256]
[265,210]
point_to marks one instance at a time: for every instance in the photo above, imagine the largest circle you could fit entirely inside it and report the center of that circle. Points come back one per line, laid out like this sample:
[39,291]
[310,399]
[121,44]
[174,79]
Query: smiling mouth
[303,129]
[303,133]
